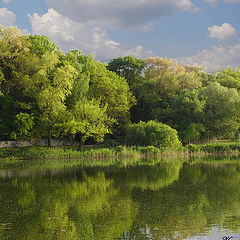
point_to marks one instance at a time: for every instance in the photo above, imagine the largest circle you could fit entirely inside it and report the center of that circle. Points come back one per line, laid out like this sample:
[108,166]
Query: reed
[134,152]
[231,147]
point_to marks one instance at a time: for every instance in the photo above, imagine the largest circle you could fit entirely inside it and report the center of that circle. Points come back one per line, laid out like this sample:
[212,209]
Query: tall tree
[128,67]
[17,65]
[56,80]
[187,114]
[90,120]
[42,44]
[164,80]
[94,81]
[229,78]
[221,110]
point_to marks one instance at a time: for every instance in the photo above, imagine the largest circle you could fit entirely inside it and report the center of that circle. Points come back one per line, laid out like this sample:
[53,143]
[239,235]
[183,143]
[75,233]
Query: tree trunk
[49,138]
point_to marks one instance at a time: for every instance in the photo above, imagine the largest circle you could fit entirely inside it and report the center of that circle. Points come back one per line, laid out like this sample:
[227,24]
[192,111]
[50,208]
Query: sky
[195,32]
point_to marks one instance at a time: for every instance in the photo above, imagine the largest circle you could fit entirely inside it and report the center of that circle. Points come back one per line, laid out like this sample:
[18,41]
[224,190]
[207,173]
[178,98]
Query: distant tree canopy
[128,67]
[197,104]
[46,93]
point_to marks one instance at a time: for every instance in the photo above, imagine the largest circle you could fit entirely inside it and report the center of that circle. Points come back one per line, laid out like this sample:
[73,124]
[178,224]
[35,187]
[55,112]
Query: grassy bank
[115,152]
[214,148]
[84,153]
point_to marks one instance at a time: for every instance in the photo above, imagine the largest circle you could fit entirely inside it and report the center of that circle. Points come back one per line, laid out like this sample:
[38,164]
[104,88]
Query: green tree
[17,65]
[187,111]
[164,80]
[128,67]
[193,132]
[56,79]
[221,110]
[94,81]
[90,120]
[113,91]
[42,44]
[229,77]
[23,125]
[85,70]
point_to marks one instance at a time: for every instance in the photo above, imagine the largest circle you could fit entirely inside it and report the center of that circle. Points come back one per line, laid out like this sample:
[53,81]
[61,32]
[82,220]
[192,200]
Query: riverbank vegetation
[119,152]
[46,93]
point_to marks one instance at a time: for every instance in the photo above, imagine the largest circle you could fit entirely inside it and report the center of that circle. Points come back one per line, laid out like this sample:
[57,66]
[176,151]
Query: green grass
[98,153]
[68,153]
[221,147]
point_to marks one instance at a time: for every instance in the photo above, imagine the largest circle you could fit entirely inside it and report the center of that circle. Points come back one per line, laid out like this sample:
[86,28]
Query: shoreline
[121,151]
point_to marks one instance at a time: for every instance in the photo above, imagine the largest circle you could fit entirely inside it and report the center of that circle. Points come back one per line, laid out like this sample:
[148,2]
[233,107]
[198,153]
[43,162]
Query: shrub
[152,133]
[149,150]
[193,148]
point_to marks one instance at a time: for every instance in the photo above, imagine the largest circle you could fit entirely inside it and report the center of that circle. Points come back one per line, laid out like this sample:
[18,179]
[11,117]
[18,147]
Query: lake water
[171,200]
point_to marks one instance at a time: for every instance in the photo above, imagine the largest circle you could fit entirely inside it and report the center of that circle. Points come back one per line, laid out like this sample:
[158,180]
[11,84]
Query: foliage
[164,80]
[215,147]
[17,65]
[41,45]
[229,77]
[91,120]
[94,81]
[152,133]
[193,132]
[128,67]
[187,115]
[57,83]
[23,125]
[46,93]
[113,91]
[221,110]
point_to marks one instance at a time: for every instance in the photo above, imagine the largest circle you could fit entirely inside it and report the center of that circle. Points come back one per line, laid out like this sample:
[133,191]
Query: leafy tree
[163,83]
[128,67]
[221,110]
[23,125]
[85,69]
[57,82]
[193,132]
[41,45]
[113,91]
[17,65]
[90,120]
[93,80]
[187,112]
[107,87]
[229,78]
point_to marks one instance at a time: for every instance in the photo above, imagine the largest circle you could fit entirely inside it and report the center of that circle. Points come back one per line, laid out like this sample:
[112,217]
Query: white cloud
[88,37]
[6,1]
[7,18]
[224,33]
[125,14]
[216,58]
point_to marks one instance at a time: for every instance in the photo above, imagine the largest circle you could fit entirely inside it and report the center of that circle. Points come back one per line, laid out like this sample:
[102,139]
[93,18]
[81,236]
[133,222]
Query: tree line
[46,93]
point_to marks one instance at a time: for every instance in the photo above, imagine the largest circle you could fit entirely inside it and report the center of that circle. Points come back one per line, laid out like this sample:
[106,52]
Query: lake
[173,199]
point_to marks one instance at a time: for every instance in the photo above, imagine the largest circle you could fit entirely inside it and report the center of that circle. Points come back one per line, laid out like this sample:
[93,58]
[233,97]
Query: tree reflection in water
[173,200]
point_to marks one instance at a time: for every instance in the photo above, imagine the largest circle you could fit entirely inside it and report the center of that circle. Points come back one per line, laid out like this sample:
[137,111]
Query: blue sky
[197,32]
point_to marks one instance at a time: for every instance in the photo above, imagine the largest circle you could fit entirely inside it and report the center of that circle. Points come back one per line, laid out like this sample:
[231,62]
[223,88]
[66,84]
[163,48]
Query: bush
[214,147]
[149,150]
[220,147]
[152,133]
[193,148]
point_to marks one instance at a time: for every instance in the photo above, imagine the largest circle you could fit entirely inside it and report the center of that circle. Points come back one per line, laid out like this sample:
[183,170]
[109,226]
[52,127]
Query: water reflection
[169,200]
